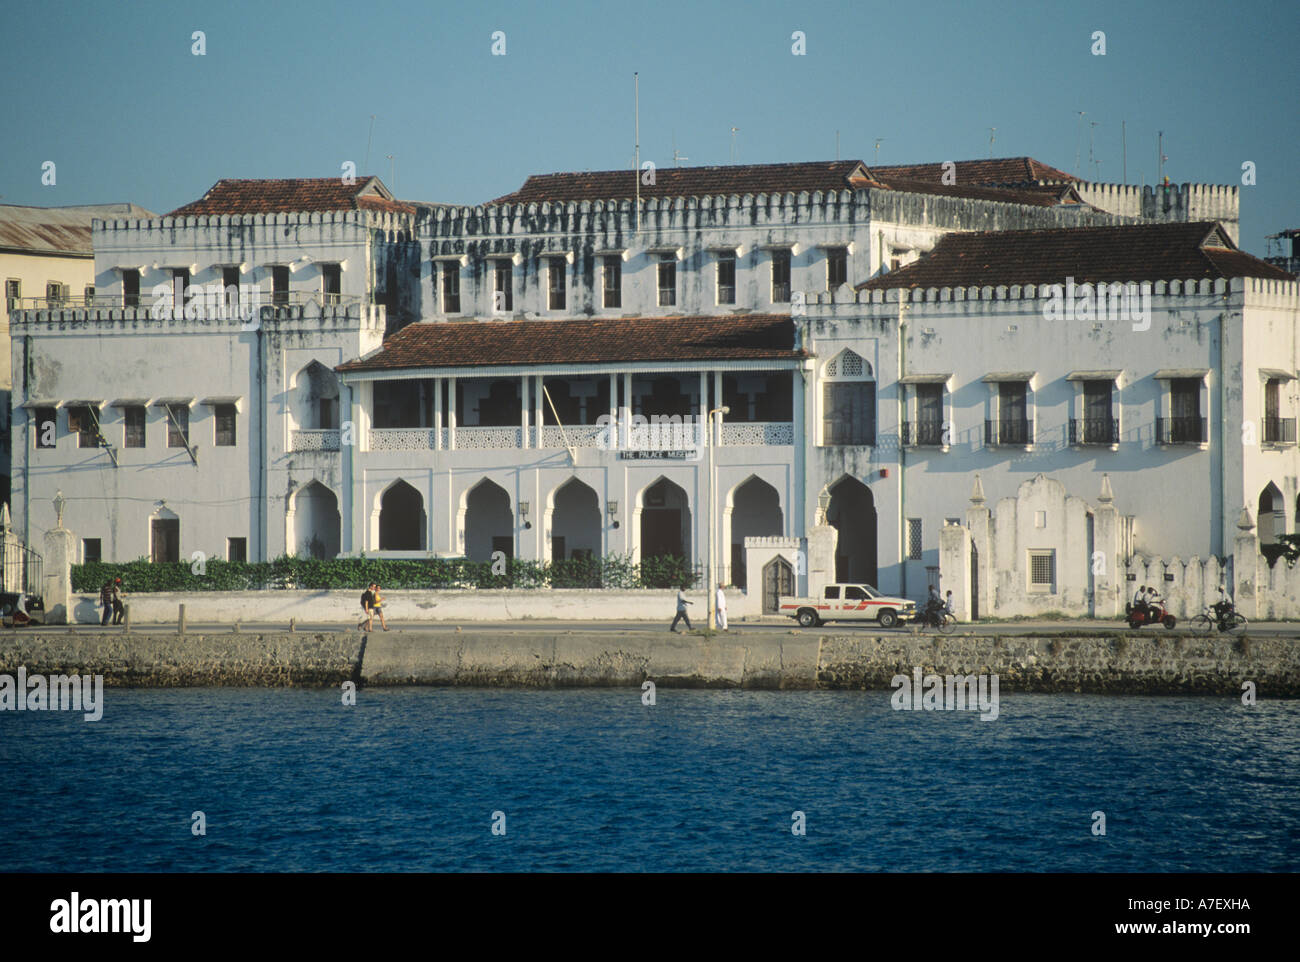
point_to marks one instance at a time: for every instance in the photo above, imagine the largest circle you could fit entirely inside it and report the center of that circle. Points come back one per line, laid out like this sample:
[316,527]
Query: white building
[45,258]
[479,429]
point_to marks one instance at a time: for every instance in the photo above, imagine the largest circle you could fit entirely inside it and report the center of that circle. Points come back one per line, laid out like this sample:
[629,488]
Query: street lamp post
[711,597]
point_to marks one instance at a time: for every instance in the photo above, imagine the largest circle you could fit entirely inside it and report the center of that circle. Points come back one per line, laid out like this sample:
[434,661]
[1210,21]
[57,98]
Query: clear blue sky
[113,95]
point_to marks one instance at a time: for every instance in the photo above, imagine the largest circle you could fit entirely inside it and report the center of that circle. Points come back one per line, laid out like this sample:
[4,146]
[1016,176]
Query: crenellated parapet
[311,317]
[1175,202]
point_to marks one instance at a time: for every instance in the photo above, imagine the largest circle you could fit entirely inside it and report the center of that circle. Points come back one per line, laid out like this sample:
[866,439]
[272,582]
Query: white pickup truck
[849,602]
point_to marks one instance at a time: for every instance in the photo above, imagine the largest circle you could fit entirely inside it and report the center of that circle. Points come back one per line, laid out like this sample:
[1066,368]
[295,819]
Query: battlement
[381,220]
[734,211]
[1256,290]
[1177,202]
[282,318]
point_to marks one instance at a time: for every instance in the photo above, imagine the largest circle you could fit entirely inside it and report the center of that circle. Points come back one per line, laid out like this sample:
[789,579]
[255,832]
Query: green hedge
[393,574]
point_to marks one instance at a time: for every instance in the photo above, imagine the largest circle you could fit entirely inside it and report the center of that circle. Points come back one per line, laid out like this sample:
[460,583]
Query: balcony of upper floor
[616,412]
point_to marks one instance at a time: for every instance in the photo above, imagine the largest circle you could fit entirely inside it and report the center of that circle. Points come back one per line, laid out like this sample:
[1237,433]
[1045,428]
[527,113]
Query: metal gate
[778,582]
[23,569]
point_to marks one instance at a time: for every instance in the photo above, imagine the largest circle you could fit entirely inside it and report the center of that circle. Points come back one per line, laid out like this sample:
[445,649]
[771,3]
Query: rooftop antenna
[636,98]
[392,173]
[734,131]
[1160,149]
[677,156]
[366,169]
[1078,141]
[992,131]
[1092,157]
[879,141]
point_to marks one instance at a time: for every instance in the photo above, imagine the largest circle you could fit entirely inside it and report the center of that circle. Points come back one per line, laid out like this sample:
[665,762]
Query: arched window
[848,400]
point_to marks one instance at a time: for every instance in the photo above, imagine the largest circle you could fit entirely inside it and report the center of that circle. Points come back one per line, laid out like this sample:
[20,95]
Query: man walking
[119,602]
[377,605]
[106,600]
[722,609]
[681,611]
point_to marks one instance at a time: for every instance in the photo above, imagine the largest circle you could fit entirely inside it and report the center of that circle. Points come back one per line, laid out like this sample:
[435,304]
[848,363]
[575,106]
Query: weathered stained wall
[1171,663]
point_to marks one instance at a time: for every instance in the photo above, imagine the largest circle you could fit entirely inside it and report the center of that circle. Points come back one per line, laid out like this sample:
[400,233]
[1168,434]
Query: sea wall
[1168,663]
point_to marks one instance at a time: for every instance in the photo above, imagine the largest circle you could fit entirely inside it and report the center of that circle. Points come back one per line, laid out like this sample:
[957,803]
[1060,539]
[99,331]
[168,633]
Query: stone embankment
[1169,663]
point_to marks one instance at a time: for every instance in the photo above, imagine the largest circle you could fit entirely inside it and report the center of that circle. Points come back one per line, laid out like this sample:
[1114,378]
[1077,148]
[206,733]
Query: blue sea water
[409,779]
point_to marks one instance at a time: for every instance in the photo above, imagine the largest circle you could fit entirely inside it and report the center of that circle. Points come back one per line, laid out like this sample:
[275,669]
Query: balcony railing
[734,434]
[1094,431]
[1180,431]
[1279,430]
[1009,431]
[922,434]
[314,440]
[757,432]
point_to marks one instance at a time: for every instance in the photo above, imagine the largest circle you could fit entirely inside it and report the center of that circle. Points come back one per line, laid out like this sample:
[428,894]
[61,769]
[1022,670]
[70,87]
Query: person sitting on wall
[367,607]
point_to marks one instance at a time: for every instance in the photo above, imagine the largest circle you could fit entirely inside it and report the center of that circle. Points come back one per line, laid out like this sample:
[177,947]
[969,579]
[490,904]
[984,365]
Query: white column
[539,408]
[451,413]
[437,413]
[523,409]
[717,403]
[627,409]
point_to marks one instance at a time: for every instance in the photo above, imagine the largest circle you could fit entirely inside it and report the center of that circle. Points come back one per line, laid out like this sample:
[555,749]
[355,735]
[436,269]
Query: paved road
[1267,629]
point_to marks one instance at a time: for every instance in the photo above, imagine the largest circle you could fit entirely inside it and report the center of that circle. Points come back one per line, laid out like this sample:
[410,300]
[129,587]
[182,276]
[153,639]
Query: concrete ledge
[344,607]
[1172,663]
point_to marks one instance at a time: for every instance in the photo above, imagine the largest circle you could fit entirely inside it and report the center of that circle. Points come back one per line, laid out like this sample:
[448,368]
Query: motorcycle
[1153,614]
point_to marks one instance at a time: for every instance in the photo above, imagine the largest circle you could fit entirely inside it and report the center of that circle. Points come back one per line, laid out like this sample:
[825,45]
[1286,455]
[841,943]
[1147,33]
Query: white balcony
[314,440]
[766,433]
[734,434]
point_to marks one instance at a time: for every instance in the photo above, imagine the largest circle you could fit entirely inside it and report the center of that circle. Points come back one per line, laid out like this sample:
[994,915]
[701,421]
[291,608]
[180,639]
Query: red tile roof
[1035,195]
[693,181]
[584,341]
[998,171]
[291,195]
[1137,252]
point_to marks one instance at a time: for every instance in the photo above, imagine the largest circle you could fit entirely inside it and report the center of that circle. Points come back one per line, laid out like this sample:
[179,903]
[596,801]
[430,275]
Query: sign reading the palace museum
[682,455]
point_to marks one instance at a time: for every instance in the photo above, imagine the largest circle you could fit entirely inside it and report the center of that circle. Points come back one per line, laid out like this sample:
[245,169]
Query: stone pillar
[979,522]
[1108,584]
[954,568]
[1245,567]
[57,566]
[822,539]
